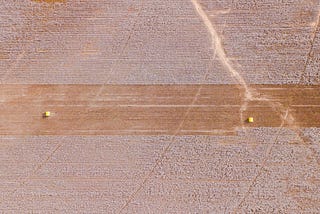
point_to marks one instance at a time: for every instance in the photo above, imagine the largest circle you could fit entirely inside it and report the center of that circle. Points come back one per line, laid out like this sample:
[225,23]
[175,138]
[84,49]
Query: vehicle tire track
[263,163]
[171,142]
[217,46]
[122,50]
[39,166]
[304,78]
[249,93]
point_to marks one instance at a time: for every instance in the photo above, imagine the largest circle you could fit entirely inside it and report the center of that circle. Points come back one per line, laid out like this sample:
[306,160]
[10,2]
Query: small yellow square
[250,119]
[47,113]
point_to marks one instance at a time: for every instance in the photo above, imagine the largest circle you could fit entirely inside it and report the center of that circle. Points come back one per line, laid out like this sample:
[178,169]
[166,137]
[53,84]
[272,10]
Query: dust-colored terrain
[148,109]
[149,103]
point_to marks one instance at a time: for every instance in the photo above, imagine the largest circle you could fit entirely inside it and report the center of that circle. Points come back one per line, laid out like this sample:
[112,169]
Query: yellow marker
[47,113]
[250,119]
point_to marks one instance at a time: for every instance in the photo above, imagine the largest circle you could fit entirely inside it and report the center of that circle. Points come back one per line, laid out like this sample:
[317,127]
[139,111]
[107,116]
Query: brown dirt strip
[147,109]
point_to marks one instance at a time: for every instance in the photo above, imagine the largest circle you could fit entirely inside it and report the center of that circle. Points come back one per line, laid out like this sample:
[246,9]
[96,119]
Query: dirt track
[154,110]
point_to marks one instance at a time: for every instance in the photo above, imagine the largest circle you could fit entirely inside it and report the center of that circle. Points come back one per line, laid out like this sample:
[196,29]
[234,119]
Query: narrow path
[304,77]
[217,46]
[286,116]
[168,147]
[248,95]
[262,165]
[219,52]
[126,43]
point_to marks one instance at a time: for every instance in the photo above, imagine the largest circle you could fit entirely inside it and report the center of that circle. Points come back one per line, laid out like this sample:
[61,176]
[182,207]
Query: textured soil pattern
[200,174]
[159,41]
[149,102]
[149,109]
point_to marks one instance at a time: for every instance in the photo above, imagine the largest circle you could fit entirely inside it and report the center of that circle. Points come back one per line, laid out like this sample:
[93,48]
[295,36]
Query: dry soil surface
[150,109]
[149,103]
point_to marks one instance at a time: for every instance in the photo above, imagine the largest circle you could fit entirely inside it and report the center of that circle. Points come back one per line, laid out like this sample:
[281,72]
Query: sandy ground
[149,109]
[149,101]
[159,41]
[206,174]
